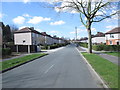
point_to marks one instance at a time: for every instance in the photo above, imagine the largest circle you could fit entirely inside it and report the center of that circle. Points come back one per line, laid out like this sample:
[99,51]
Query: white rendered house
[27,39]
[113,36]
[99,38]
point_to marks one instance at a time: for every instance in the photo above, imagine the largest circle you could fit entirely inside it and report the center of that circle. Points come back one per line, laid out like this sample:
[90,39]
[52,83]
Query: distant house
[61,40]
[84,40]
[48,38]
[113,36]
[27,39]
[99,38]
[55,40]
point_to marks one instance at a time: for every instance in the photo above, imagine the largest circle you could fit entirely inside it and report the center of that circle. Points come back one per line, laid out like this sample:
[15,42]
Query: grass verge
[113,53]
[106,69]
[13,62]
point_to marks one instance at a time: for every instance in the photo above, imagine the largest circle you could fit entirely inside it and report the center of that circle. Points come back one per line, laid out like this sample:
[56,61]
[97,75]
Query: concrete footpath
[113,59]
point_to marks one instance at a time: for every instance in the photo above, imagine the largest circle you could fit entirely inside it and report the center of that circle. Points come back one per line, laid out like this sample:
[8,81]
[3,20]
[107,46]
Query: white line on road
[48,69]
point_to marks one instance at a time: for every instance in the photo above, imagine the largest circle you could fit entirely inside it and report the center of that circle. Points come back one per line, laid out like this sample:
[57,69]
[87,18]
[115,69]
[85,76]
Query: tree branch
[82,20]
[104,18]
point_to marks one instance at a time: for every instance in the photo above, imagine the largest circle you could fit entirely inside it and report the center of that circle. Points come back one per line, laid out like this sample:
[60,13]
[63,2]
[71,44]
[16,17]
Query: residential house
[61,40]
[55,40]
[48,39]
[99,38]
[84,40]
[113,36]
[27,39]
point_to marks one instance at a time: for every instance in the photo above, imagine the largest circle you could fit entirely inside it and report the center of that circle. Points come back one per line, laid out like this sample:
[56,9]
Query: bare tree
[92,10]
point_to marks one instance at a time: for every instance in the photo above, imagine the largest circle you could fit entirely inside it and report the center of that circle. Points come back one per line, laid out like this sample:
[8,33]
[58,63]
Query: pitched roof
[45,34]
[115,30]
[27,29]
[99,34]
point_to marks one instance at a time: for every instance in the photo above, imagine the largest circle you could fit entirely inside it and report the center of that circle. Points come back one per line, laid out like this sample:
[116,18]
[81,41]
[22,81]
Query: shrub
[106,47]
[98,47]
[6,51]
[102,47]
[83,44]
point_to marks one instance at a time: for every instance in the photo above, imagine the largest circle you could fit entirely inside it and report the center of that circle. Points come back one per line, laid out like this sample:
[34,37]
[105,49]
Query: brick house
[113,36]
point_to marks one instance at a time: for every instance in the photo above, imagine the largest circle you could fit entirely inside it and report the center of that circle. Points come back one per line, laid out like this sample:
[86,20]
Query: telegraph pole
[76,33]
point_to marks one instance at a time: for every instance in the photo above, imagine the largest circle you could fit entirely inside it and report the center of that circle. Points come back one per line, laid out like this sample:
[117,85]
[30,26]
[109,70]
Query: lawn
[113,53]
[106,69]
[13,62]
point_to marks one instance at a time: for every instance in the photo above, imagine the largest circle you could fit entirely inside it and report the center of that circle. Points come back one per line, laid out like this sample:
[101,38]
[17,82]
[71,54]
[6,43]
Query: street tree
[90,11]
[13,29]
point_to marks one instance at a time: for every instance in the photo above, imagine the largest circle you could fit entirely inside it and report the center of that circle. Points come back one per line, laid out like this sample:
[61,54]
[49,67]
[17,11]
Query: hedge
[106,47]
[6,51]
[102,47]
[83,44]
[53,46]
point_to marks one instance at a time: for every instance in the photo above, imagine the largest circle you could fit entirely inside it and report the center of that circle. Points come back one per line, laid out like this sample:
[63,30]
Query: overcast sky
[44,19]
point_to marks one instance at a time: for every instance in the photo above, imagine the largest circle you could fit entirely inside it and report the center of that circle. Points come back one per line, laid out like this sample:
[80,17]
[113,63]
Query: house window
[111,36]
[110,42]
[23,41]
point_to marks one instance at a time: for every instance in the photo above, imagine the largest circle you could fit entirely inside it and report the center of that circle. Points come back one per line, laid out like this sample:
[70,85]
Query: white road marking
[48,69]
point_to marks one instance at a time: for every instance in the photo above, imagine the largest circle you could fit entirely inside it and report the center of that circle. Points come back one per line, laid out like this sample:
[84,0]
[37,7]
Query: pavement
[113,59]
[64,68]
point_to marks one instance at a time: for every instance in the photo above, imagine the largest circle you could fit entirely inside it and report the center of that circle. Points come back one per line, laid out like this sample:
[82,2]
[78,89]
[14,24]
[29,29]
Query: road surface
[64,68]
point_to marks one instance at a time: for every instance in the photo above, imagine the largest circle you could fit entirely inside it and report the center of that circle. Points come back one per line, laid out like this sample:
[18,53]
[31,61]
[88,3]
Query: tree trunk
[89,41]
[89,37]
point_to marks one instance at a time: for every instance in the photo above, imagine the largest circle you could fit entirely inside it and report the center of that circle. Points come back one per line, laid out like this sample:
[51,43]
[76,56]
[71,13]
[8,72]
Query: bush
[53,46]
[98,47]
[106,47]
[83,44]
[102,47]
[6,51]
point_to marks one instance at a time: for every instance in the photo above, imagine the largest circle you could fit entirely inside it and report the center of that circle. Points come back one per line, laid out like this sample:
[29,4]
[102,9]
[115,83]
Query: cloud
[57,23]
[78,31]
[1,15]
[83,30]
[111,26]
[93,29]
[19,20]
[39,30]
[38,19]
[82,26]
[26,15]
[53,32]
[26,1]
[23,27]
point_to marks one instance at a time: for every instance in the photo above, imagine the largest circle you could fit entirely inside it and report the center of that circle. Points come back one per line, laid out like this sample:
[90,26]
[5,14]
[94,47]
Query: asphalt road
[64,68]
